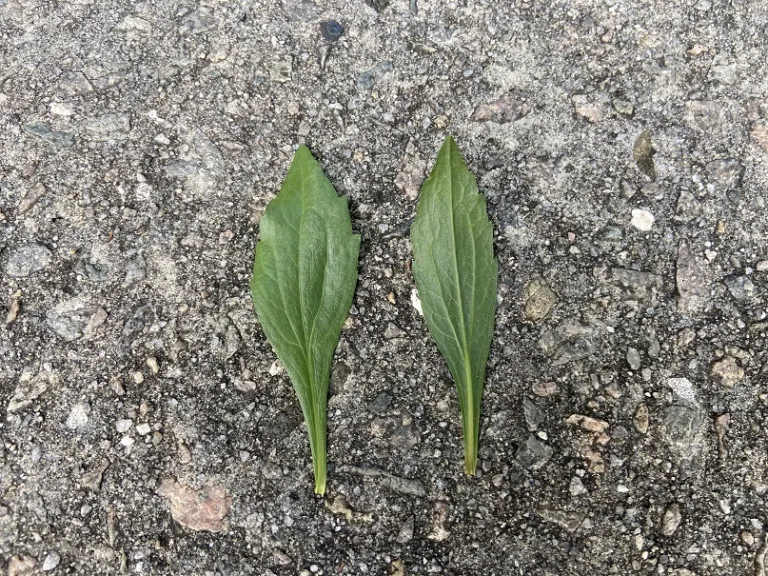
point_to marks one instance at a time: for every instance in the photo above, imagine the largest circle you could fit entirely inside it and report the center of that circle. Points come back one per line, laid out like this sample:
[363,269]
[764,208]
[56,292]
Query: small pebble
[641,418]
[52,560]
[123,425]
[78,417]
[633,358]
[544,388]
[642,220]
[331,30]
[728,371]
[276,368]
[153,365]
[61,109]
[671,521]
[577,487]
[143,429]
[405,534]
[117,386]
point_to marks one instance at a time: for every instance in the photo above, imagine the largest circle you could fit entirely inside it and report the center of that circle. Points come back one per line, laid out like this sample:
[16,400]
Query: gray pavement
[622,147]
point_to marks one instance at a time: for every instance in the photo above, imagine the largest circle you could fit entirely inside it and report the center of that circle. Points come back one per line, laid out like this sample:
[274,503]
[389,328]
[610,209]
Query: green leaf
[304,277]
[456,276]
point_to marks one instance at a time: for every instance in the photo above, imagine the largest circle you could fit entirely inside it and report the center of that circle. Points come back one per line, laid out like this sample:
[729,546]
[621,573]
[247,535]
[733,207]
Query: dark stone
[533,414]
[381,402]
[331,30]
[534,454]
[570,340]
[643,152]
[377,5]
[52,137]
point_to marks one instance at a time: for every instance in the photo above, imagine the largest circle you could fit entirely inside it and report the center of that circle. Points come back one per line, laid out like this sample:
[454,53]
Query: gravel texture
[623,151]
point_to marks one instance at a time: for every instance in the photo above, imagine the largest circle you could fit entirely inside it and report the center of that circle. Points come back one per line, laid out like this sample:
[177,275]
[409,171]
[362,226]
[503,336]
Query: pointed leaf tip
[303,153]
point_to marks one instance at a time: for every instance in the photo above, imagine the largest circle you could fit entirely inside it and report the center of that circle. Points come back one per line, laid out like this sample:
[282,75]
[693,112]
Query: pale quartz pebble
[276,368]
[123,425]
[61,109]
[416,302]
[143,429]
[642,219]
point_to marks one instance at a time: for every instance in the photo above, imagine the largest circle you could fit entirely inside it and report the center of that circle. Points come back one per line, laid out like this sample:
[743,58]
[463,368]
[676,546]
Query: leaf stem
[319,465]
[470,422]
[316,429]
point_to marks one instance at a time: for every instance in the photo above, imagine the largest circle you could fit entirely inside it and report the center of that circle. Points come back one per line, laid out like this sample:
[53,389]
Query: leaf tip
[449,145]
[449,140]
[303,155]
[451,153]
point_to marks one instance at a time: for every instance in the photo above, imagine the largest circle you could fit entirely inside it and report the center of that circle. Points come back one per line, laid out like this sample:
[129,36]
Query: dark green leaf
[456,275]
[304,277]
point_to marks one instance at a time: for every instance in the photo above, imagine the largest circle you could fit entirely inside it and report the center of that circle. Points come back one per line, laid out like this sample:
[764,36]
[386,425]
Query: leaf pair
[305,272]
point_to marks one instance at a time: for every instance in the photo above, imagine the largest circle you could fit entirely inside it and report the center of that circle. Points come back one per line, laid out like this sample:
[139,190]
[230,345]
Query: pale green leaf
[456,276]
[304,277]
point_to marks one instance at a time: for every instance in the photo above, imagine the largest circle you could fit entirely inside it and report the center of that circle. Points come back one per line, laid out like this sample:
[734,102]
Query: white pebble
[416,302]
[123,425]
[153,364]
[577,486]
[642,219]
[78,417]
[52,560]
[276,368]
[683,388]
[143,429]
[61,109]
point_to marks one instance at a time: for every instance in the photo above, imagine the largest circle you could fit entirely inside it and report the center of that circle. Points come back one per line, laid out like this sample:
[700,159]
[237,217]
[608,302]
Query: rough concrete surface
[622,148]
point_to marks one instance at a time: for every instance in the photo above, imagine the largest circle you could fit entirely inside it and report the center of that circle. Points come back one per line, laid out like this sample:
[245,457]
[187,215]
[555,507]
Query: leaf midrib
[305,343]
[469,397]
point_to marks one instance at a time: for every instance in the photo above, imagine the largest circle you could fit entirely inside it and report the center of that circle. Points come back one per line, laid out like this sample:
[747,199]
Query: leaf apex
[303,148]
[304,154]
[449,144]
[450,139]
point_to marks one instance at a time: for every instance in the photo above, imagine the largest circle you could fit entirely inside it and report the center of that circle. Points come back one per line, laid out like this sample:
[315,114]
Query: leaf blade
[303,281]
[456,276]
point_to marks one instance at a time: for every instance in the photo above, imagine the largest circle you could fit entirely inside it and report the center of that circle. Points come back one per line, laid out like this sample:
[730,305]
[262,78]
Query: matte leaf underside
[456,276]
[304,277]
